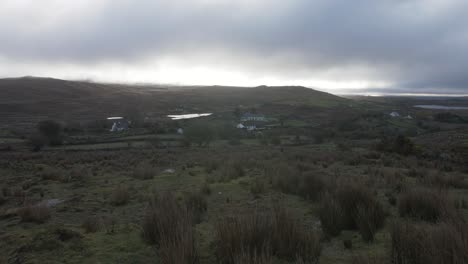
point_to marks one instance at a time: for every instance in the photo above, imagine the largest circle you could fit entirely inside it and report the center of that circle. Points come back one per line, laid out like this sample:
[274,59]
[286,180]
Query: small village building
[394,114]
[252,117]
[119,124]
[240,126]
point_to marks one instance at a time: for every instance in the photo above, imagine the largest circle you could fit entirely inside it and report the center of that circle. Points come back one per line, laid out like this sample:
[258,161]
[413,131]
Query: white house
[240,126]
[253,117]
[394,114]
[251,127]
[119,123]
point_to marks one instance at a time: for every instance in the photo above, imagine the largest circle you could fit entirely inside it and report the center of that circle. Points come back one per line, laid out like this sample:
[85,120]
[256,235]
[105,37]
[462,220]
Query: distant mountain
[29,99]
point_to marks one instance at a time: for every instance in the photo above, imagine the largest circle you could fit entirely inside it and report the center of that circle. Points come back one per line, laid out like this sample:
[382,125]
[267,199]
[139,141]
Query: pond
[442,107]
[187,116]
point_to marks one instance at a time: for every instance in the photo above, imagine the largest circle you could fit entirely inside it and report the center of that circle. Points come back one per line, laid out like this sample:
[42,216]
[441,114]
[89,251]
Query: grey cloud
[414,44]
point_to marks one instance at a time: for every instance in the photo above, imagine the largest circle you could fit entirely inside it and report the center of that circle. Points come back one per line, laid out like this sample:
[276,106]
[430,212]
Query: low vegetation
[260,235]
[34,213]
[120,196]
[321,182]
[352,206]
[429,243]
[169,225]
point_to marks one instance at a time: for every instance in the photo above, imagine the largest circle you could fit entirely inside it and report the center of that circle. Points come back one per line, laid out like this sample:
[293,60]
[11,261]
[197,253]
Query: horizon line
[344,94]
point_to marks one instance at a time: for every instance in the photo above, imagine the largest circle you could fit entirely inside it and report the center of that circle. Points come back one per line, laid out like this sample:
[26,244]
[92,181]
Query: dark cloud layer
[412,45]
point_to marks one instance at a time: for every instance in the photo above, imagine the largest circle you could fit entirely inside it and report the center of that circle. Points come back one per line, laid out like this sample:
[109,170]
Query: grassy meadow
[338,181]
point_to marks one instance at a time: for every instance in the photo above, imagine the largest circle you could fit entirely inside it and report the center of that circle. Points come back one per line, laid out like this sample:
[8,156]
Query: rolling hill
[26,100]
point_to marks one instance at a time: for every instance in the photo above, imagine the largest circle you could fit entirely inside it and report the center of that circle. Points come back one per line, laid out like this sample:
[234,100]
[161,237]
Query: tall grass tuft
[120,196]
[425,204]
[265,234]
[354,207]
[169,225]
[34,213]
[425,243]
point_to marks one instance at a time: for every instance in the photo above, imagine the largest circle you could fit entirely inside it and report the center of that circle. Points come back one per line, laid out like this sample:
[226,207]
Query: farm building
[252,117]
[394,114]
[251,125]
[119,124]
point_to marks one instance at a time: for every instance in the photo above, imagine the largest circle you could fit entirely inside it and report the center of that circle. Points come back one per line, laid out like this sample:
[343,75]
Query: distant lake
[187,116]
[442,107]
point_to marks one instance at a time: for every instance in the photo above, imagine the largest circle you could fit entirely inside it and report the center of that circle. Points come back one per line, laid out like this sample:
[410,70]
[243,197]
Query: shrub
[205,189]
[50,173]
[109,223]
[168,225]
[248,258]
[448,180]
[196,203]
[284,177]
[369,219]
[331,215]
[144,172]
[37,142]
[265,234]
[3,199]
[290,180]
[51,131]
[200,133]
[120,196]
[79,173]
[291,241]
[211,165]
[34,213]
[425,204]
[91,224]
[257,187]
[311,186]
[242,235]
[348,243]
[357,203]
[400,144]
[352,207]
[368,259]
[6,192]
[429,243]
[232,170]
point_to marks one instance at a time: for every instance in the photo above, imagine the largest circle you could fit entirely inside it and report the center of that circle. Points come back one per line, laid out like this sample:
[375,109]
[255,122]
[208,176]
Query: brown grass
[425,204]
[331,215]
[34,213]
[265,234]
[352,206]
[168,225]
[144,172]
[444,181]
[205,189]
[257,187]
[368,259]
[197,205]
[3,198]
[288,179]
[91,224]
[429,243]
[120,196]
[248,258]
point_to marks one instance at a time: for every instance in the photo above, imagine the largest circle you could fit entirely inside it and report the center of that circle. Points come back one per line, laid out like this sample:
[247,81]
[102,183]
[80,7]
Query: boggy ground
[99,202]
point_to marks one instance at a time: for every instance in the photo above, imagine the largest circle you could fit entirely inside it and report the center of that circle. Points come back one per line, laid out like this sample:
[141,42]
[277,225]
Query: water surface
[188,116]
[442,107]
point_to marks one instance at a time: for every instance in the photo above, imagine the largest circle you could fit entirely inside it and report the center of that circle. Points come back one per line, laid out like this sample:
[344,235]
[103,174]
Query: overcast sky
[365,46]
